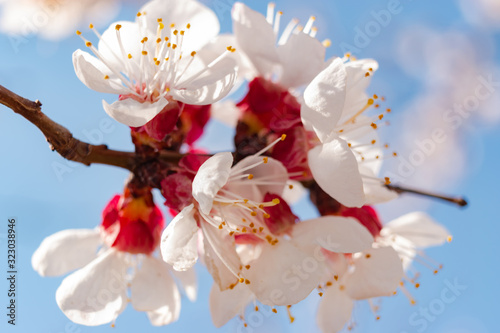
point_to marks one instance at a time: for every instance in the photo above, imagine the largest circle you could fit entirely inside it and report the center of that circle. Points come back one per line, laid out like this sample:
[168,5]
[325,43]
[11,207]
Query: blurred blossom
[484,13]
[52,19]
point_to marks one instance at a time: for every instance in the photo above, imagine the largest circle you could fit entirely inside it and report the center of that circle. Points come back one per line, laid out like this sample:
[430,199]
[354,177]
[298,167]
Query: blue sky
[44,200]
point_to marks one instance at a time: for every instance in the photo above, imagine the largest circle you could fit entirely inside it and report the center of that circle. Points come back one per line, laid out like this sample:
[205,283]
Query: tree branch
[399,189]
[62,141]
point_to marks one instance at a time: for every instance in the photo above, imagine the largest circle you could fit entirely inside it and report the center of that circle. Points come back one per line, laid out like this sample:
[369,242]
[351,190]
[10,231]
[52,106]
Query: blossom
[54,19]
[240,205]
[111,261]
[156,59]
[333,108]
[378,271]
[278,58]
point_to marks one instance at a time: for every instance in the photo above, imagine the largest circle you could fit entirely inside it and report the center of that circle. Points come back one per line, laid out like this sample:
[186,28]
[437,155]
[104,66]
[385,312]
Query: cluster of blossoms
[306,124]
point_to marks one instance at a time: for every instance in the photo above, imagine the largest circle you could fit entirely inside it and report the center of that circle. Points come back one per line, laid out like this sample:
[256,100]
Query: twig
[399,189]
[62,141]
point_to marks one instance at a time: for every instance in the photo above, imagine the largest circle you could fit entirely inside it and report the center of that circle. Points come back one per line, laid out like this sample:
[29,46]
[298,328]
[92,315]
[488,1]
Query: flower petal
[133,113]
[333,233]
[221,258]
[155,291]
[419,229]
[300,49]
[375,191]
[226,112]
[95,75]
[335,169]
[204,24]
[377,273]
[255,38]
[65,251]
[211,177]
[225,305]
[334,310]
[210,87]
[261,173]
[187,280]
[324,99]
[97,293]
[179,241]
[284,274]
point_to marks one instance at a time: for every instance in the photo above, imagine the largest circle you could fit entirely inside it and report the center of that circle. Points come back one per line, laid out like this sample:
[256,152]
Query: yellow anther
[247,266]
[118,27]
[247,281]
[417,285]
[256,308]
[220,226]
[262,228]
[276,201]
[253,213]
[394,154]
[88,44]
[275,311]
[129,56]
[368,256]
[159,20]
[252,225]
[320,294]
[250,176]
[413,302]
[243,229]
[370,101]
[266,216]
[374,141]
[193,53]
[229,48]
[283,137]
[144,52]
[388,110]
[373,125]
[188,26]
[380,117]
[182,32]
[265,159]
[91,26]
[158,40]
[290,187]
[176,32]
[78,32]
[139,14]
[449,239]
[387,180]
[166,39]
[327,43]
[174,46]
[378,318]
[336,277]
[172,25]
[375,96]
[106,77]
[241,280]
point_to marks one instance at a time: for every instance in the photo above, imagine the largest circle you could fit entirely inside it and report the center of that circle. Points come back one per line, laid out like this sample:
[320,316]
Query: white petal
[97,293]
[295,193]
[92,72]
[221,258]
[133,113]
[255,189]
[300,49]
[324,99]
[356,85]
[377,273]
[284,274]
[65,251]
[154,290]
[419,228]
[335,169]
[225,305]
[187,280]
[226,112]
[255,38]
[203,21]
[210,178]
[179,241]
[333,233]
[334,310]
[130,35]
[209,88]
[375,191]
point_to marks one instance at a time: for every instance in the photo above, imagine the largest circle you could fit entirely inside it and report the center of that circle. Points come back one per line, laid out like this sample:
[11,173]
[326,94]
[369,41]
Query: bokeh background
[439,71]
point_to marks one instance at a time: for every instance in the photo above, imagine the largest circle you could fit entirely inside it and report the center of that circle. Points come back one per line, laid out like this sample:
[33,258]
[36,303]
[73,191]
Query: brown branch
[62,141]
[399,189]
